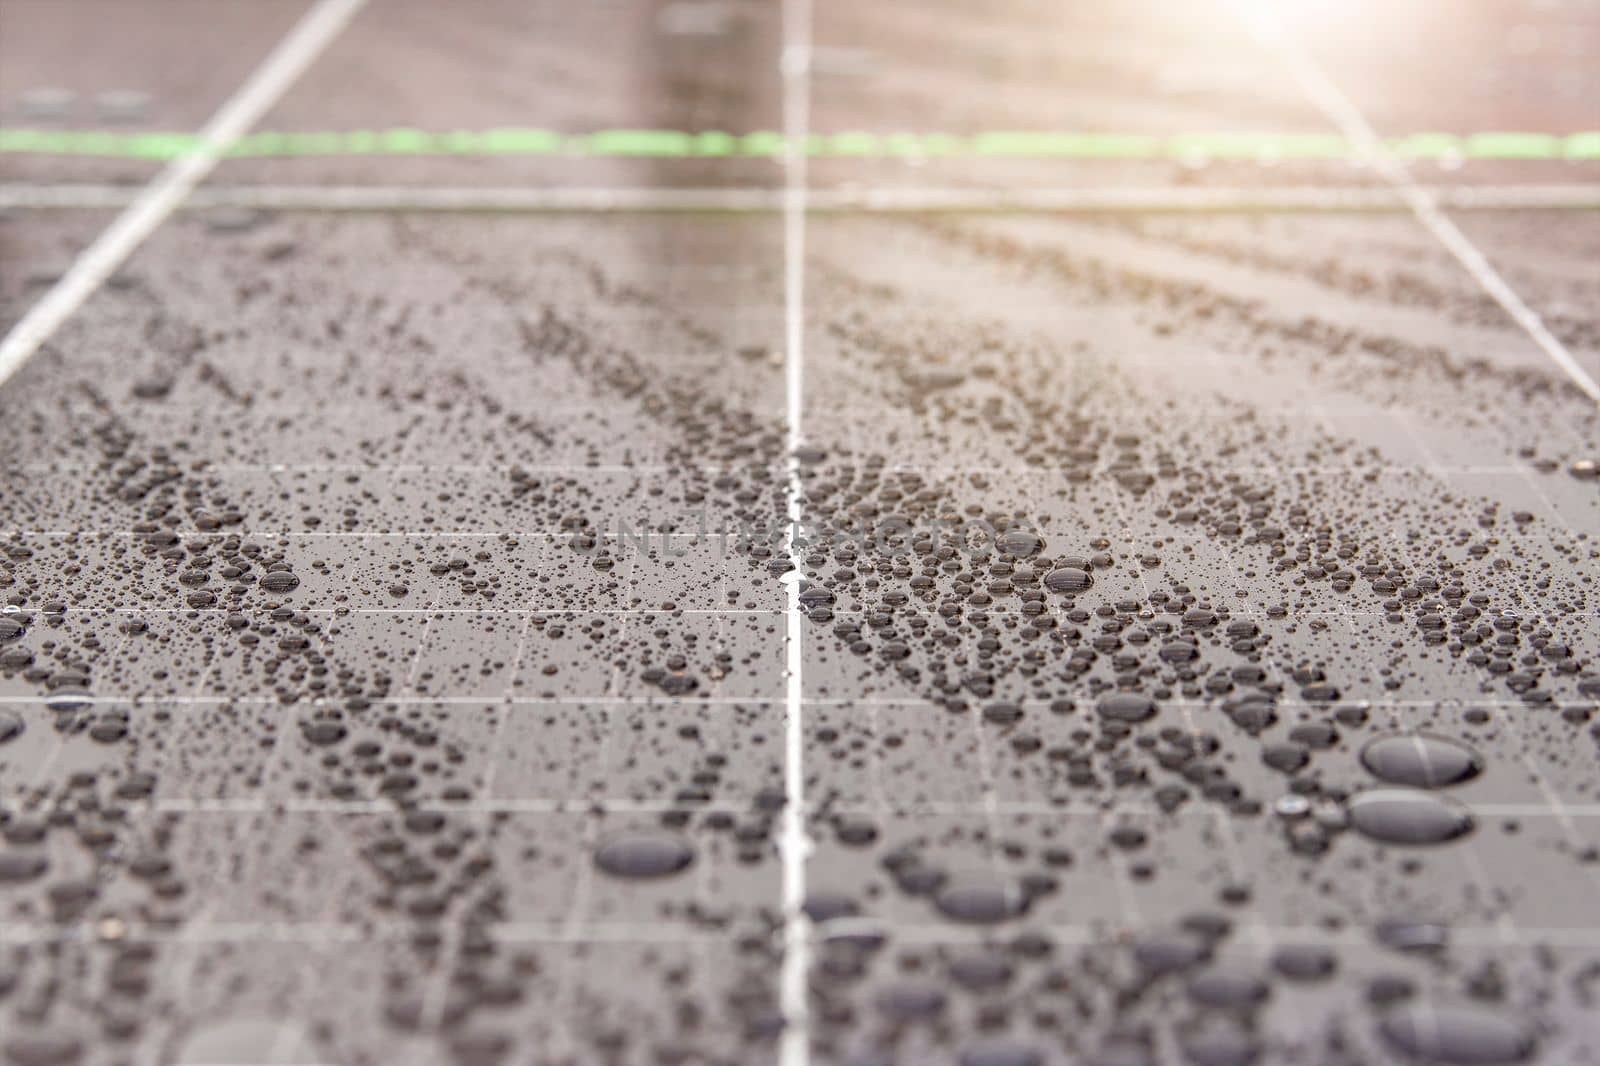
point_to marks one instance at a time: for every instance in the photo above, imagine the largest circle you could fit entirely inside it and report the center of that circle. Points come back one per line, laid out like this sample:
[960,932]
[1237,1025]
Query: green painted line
[715,144]
[1428,146]
[672,144]
[520,142]
[1514,146]
[762,143]
[1583,146]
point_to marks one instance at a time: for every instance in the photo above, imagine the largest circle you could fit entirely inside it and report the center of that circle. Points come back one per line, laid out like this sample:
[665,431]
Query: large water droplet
[1068,579]
[1221,1044]
[1404,816]
[1169,952]
[1019,543]
[1305,962]
[639,856]
[1459,1036]
[978,901]
[1226,987]
[17,865]
[980,970]
[49,1047]
[1126,707]
[1421,760]
[910,1001]
[280,581]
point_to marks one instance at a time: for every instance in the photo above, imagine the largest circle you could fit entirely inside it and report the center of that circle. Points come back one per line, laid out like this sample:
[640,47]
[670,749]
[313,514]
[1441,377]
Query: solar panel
[812,533]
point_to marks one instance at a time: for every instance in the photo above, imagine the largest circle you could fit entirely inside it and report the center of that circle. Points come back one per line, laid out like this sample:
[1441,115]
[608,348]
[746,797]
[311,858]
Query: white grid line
[794,1047]
[515,932]
[587,806]
[663,701]
[765,199]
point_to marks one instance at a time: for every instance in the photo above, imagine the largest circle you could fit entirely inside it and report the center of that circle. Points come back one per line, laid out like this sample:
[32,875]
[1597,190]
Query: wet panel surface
[1197,614]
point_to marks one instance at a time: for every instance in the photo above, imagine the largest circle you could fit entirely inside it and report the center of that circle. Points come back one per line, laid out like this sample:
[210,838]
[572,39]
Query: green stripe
[683,144]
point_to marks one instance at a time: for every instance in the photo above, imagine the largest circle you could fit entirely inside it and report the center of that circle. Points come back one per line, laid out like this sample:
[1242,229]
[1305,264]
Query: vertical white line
[795,61]
[1343,113]
[166,192]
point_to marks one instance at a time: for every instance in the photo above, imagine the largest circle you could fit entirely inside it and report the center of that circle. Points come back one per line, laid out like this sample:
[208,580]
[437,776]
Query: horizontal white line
[745,199]
[208,932]
[656,469]
[993,609]
[600,806]
[659,700]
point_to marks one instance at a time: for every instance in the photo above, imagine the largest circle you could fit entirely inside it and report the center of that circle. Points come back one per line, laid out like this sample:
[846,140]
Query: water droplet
[1126,707]
[1001,1052]
[1123,1051]
[1285,757]
[1459,1036]
[1291,805]
[1421,760]
[827,906]
[1228,988]
[280,581]
[641,856]
[11,726]
[324,732]
[1221,1044]
[1404,816]
[979,901]
[816,596]
[1019,543]
[44,1048]
[19,865]
[1169,952]
[66,700]
[1002,713]
[908,1001]
[1304,962]
[1409,934]
[980,970]
[1068,579]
